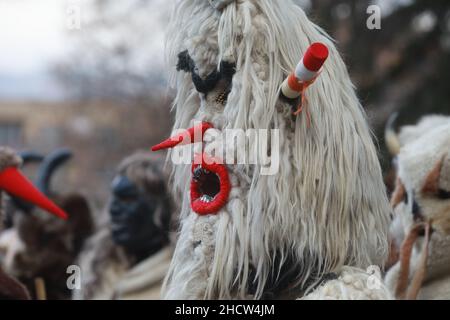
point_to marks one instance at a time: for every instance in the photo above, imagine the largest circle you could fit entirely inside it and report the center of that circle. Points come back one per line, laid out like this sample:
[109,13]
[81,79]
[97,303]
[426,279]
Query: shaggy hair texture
[102,261]
[352,284]
[35,239]
[411,133]
[279,235]
[424,155]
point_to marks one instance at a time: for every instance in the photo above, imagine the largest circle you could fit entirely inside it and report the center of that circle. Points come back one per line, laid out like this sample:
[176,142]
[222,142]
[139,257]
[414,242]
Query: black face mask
[132,219]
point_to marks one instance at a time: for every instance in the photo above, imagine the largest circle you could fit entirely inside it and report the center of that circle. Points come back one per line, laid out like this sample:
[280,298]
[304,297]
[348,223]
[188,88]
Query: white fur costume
[108,275]
[423,147]
[326,206]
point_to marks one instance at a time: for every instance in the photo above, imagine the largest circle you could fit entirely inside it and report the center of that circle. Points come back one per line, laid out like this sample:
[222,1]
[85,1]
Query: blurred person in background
[38,248]
[129,256]
[420,229]
[13,182]
[29,159]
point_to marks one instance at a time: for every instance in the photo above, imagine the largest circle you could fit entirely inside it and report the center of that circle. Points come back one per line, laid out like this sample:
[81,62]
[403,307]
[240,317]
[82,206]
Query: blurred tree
[402,67]
[115,79]
[118,51]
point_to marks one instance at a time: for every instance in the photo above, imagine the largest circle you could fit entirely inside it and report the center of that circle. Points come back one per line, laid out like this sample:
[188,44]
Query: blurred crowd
[122,255]
[124,251]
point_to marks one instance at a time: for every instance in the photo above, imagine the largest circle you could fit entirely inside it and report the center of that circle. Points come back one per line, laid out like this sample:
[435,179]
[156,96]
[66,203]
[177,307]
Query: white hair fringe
[327,206]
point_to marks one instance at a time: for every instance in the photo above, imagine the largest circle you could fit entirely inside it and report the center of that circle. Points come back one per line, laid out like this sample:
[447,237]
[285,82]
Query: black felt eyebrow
[226,71]
[185,62]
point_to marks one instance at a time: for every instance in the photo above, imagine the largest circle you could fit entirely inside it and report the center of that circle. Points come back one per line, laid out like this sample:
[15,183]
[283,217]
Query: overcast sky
[33,36]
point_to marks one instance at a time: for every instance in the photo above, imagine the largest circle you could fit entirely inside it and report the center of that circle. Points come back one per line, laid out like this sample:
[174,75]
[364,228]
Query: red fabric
[16,184]
[220,200]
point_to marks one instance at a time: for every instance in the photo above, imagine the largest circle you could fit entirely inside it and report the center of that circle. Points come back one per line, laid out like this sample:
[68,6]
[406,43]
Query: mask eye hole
[222,97]
[443,194]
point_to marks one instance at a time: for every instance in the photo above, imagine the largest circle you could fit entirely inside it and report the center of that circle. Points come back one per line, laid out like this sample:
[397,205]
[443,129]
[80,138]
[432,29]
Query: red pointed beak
[191,135]
[16,184]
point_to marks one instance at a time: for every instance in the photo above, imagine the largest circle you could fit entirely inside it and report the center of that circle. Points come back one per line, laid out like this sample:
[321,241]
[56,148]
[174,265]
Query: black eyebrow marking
[185,62]
[226,71]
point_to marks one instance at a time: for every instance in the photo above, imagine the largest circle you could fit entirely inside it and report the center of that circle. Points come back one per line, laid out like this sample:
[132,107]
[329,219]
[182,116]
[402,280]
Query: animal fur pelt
[278,236]
[423,197]
[42,246]
[102,263]
[108,273]
[352,284]
[12,289]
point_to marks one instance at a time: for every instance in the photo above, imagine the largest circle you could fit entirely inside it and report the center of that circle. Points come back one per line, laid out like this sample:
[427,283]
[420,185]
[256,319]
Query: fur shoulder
[352,284]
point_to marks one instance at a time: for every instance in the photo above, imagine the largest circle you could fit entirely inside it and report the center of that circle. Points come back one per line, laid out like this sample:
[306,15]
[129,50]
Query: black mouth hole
[208,182]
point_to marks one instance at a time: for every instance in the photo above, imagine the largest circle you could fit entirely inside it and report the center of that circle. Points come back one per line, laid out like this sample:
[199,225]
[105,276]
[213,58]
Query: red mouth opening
[210,185]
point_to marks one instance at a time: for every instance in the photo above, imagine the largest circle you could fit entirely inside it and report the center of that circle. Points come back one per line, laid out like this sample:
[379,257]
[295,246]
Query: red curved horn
[16,184]
[191,135]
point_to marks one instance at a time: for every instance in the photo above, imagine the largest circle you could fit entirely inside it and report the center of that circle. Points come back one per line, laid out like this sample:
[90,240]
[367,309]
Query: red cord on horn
[191,135]
[15,183]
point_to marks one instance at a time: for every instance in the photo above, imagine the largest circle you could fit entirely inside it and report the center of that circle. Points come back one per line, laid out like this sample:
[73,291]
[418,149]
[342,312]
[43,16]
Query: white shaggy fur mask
[423,195]
[278,235]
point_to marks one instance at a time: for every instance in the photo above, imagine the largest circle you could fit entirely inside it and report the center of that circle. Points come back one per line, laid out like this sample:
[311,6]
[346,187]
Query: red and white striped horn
[306,71]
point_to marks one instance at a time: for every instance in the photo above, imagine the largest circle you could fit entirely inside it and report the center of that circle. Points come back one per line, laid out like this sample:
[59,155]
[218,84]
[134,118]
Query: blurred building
[100,133]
